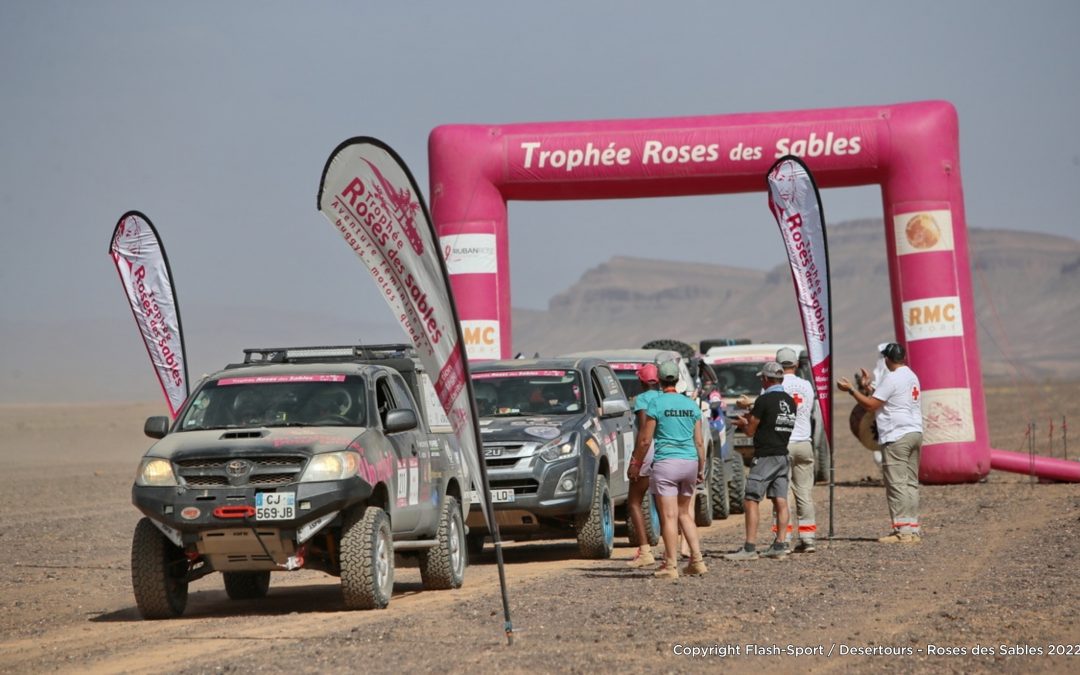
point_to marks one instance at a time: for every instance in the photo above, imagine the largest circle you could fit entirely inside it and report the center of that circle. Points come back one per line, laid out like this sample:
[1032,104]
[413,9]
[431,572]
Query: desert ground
[993,587]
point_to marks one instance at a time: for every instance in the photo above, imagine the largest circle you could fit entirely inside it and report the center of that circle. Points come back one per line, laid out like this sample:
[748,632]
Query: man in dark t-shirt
[770,422]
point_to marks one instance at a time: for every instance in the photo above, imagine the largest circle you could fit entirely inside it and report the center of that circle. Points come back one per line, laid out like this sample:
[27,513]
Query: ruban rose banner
[144,272]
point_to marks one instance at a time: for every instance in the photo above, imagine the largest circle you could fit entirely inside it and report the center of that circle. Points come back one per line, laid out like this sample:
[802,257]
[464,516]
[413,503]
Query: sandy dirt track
[997,569]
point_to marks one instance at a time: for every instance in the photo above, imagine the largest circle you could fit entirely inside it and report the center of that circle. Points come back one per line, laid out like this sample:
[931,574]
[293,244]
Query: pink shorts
[674,477]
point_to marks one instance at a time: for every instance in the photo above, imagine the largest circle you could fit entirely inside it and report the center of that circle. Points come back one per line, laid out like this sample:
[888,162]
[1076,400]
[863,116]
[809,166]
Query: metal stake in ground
[1031,450]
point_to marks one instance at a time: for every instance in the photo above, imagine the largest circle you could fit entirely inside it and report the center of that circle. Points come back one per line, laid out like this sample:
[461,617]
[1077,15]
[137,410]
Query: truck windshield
[627,374]
[528,392]
[736,379]
[277,400]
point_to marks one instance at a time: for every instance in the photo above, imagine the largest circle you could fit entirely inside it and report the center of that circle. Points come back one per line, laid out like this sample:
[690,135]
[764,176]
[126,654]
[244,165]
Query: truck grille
[501,462]
[502,455]
[520,486]
[266,471]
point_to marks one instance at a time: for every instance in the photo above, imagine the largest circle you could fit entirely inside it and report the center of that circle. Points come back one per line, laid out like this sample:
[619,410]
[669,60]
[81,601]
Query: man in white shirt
[800,449]
[898,414]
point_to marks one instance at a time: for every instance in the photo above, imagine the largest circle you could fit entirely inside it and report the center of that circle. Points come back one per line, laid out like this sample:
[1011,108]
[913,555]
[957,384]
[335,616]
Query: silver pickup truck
[557,436]
[327,458]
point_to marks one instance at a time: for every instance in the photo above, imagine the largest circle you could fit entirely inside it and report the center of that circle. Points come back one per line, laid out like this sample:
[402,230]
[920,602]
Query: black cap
[894,352]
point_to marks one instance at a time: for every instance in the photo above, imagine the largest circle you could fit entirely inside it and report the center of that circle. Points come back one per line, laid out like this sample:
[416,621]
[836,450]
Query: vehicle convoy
[324,458]
[736,368]
[557,436]
[712,499]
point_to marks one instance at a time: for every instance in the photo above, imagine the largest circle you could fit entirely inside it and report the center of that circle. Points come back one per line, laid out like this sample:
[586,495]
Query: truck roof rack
[330,354]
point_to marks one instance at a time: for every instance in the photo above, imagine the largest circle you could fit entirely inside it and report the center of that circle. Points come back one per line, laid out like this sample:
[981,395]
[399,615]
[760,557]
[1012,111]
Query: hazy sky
[216,118]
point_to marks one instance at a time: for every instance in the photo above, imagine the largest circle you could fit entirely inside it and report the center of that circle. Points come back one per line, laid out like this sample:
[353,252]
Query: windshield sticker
[546,433]
[761,358]
[626,366]
[278,379]
[518,373]
[301,437]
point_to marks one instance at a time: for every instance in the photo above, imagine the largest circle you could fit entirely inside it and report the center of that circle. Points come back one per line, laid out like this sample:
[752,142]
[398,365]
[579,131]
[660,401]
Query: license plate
[275,505]
[743,440]
[502,496]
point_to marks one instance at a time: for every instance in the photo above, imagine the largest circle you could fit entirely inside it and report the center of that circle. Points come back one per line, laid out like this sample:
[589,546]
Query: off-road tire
[246,585]
[736,482]
[703,508]
[686,350]
[158,573]
[652,522]
[596,529]
[443,567]
[367,559]
[721,504]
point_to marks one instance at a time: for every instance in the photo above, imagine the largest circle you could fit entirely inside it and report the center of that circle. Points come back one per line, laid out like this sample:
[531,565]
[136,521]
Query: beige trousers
[802,485]
[900,465]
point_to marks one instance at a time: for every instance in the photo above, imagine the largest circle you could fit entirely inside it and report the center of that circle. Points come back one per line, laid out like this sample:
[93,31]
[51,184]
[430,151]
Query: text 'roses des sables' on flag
[796,205]
[140,260]
[371,198]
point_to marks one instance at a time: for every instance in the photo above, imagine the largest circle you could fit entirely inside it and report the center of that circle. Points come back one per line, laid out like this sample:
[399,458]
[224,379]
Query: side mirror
[400,419]
[156,426]
[614,406]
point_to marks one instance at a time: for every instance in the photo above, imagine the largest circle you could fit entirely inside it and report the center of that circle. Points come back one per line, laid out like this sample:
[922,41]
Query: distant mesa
[623,302]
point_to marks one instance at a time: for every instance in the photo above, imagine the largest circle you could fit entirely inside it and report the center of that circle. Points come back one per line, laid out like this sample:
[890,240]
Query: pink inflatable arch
[910,149]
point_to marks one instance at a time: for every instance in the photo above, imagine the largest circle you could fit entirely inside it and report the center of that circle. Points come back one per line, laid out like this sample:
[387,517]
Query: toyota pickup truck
[323,458]
[557,436]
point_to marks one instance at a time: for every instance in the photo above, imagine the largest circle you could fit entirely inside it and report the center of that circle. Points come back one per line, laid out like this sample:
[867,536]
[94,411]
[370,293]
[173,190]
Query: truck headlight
[155,472]
[561,448]
[331,466]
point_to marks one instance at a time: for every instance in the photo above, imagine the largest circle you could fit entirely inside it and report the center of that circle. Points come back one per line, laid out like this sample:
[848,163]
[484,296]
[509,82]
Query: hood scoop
[246,433]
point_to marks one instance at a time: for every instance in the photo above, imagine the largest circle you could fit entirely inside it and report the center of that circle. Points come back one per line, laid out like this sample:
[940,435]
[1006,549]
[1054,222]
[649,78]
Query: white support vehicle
[736,368]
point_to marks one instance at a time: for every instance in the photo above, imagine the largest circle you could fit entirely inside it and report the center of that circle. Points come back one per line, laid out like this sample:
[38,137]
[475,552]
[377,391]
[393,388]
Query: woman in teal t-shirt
[674,422]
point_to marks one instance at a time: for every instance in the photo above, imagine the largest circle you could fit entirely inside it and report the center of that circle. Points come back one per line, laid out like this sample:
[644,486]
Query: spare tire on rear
[686,350]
